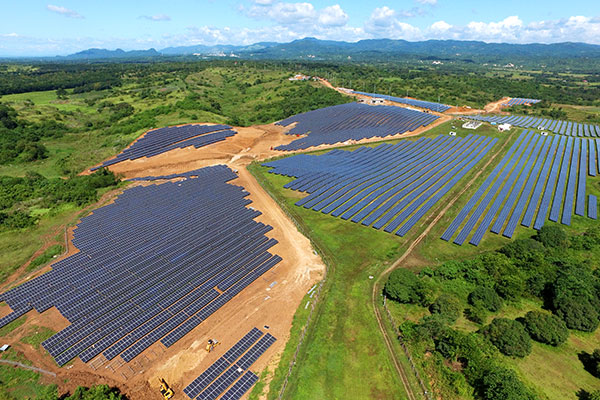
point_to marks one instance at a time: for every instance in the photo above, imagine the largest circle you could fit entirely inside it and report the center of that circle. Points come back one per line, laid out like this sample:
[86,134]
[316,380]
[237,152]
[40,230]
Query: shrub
[552,236]
[447,307]
[486,298]
[476,314]
[545,328]
[509,336]
[406,287]
[500,383]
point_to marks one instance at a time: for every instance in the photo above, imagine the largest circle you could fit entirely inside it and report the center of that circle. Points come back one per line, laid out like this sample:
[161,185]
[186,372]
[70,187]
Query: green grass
[20,383]
[8,329]
[343,342]
[36,335]
[15,251]
[556,372]
[46,257]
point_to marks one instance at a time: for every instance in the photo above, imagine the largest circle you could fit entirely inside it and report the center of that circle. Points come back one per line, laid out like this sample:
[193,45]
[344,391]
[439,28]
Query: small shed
[504,127]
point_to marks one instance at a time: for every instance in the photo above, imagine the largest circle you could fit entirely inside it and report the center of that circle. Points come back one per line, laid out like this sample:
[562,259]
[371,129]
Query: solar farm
[516,101]
[428,105]
[390,186]
[539,178]
[176,276]
[166,139]
[217,246]
[352,121]
[555,126]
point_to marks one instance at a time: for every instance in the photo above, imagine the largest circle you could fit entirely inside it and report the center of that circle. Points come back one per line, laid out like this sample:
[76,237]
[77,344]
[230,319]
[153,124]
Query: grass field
[343,340]
[340,239]
[356,252]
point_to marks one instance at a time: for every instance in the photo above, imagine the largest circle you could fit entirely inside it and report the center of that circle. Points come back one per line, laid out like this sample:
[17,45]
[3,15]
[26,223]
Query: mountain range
[311,48]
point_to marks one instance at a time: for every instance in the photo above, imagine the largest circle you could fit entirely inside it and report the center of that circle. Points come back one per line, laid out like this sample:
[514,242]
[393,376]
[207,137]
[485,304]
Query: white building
[504,127]
[472,125]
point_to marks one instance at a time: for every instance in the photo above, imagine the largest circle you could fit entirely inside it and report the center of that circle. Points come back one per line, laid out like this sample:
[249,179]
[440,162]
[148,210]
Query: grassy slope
[555,373]
[342,343]
[352,338]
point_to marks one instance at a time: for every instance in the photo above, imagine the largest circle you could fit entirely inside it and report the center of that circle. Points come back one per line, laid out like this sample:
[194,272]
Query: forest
[553,269]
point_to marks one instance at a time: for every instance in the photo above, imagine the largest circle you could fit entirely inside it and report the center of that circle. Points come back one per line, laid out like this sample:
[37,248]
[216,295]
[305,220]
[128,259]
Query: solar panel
[241,387]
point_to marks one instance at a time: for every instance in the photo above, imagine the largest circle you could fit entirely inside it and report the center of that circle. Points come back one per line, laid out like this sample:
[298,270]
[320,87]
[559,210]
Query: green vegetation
[546,328]
[339,346]
[46,256]
[509,337]
[37,334]
[552,270]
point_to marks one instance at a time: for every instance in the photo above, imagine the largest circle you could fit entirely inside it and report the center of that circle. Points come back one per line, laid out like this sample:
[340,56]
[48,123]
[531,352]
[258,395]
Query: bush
[406,287]
[500,383]
[552,236]
[545,328]
[509,336]
[575,296]
[486,298]
[447,307]
[476,314]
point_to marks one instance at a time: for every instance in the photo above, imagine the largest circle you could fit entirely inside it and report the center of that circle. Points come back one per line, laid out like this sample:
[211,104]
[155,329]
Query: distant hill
[311,48]
[97,54]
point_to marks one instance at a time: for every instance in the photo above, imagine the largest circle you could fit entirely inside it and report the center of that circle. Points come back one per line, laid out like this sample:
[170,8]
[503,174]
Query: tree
[575,296]
[447,306]
[545,328]
[485,297]
[500,383]
[509,336]
[406,287]
[552,236]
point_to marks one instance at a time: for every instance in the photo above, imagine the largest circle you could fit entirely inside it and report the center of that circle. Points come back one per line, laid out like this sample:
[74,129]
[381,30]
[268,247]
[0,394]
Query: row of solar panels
[224,372]
[197,173]
[352,121]
[148,267]
[515,101]
[165,139]
[412,102]
[389,186]
[537,176]
[555,126]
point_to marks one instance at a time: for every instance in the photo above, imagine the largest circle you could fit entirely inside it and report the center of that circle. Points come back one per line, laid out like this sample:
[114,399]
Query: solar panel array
[197,173]
[147,267]
[537,178]
[412,102]
[389,186]
[352,121]
[225,372]
[551,125]
[518,101]
[170,138]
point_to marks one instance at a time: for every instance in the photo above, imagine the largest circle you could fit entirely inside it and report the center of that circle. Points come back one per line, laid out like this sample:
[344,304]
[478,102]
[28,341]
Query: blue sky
[56,27]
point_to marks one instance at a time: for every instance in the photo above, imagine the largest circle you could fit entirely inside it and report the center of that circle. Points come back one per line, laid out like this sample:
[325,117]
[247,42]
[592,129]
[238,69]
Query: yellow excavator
[165,390]
[212,343]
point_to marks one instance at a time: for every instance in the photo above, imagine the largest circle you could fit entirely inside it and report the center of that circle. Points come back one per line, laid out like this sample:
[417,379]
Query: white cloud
[429,2]
[157,18]
[333,16]
[385,23]
[63,11]
[440,27]
[10,35]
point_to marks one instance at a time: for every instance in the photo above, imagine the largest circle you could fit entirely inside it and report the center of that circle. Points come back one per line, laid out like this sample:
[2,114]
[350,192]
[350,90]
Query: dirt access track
[270,301]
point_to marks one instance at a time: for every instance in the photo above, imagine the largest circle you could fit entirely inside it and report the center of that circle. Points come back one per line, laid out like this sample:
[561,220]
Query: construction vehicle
[212,343]
[165,390]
